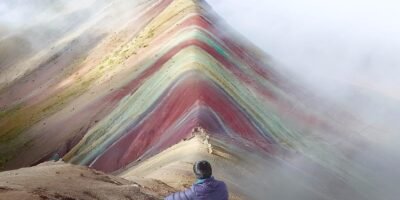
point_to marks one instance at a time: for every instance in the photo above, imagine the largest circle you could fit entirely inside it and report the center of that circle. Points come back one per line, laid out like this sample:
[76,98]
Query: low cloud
[346,51]
[324,41]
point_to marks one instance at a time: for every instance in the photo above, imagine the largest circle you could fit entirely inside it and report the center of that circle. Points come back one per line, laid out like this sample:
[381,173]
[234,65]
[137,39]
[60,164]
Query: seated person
[205,188]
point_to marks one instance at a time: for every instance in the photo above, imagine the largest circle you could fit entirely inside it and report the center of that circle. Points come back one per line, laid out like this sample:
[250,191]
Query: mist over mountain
[288,95]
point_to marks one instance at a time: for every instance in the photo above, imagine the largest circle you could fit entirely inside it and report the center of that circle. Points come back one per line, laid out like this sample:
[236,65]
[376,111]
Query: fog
[42,28]
[337,46]
[346,51]
[345,41]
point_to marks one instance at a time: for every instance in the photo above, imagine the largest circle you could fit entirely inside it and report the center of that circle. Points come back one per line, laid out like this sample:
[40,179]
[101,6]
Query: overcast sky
[325,42]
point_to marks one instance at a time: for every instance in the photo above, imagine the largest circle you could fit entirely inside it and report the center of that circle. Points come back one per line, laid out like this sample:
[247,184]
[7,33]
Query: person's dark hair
[202,169]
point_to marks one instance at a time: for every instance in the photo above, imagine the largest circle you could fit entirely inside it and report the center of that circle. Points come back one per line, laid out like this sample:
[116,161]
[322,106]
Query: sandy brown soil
[58,180]
[153,178]
[174,167]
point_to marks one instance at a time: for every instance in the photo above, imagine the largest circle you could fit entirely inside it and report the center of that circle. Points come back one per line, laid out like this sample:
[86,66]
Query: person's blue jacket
[204,189]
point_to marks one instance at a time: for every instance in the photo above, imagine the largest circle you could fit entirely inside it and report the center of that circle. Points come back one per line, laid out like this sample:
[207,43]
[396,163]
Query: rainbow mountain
[144,93]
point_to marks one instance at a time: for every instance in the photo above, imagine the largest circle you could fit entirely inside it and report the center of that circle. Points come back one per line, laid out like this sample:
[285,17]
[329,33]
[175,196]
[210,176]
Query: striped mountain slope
[118,93]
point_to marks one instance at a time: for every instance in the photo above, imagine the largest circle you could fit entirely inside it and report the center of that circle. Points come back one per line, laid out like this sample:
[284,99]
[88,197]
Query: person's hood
[209,184]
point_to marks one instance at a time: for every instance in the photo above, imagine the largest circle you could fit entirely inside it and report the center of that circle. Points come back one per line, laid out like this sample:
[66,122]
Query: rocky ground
[153,178]
[58,180]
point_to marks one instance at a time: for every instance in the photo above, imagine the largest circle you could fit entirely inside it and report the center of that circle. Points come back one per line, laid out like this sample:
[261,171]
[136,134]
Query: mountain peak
[121,91]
